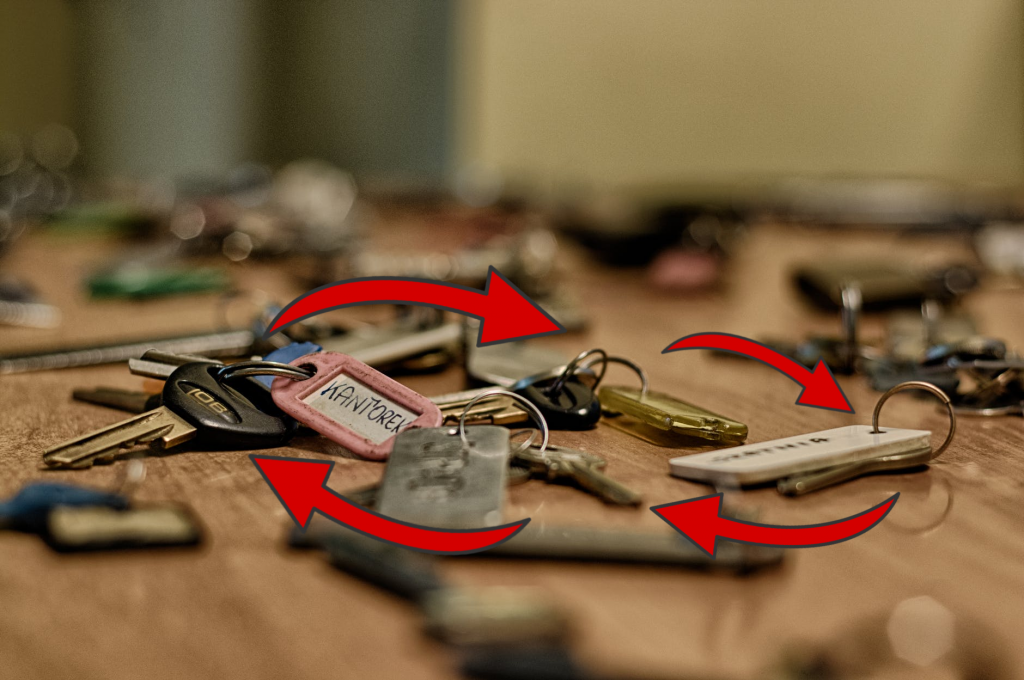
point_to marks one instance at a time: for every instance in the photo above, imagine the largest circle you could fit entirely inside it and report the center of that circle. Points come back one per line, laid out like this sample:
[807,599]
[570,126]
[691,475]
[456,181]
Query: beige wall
[36,83]
[653,91]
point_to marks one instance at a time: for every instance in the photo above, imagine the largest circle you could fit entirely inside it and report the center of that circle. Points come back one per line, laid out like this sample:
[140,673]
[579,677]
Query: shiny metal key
[194,403]
[494,410]
[158,364]
[798,485]
[557,462]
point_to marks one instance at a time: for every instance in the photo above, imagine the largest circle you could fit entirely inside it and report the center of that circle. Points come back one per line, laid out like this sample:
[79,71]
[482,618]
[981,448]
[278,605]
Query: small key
[27,510]
[496,410]
[131,401]
[557,462]
[158,364]
[194,403]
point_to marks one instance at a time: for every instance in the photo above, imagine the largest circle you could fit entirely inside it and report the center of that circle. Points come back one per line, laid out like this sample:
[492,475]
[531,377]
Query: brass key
[494,410]
[558,462]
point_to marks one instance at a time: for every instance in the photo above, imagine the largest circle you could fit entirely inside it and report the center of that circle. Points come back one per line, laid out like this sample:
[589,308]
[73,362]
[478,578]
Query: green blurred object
[101,218]
[144,282]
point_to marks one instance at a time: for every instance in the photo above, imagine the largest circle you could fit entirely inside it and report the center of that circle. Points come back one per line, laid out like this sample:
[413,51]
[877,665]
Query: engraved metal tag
[434,480]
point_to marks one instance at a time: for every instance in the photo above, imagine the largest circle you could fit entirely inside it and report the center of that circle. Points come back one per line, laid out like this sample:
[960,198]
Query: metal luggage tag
[352,404]
[780,458]
[437,479]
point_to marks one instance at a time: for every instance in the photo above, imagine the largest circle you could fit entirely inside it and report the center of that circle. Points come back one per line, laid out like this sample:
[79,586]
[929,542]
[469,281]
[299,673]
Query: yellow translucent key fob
[662,419]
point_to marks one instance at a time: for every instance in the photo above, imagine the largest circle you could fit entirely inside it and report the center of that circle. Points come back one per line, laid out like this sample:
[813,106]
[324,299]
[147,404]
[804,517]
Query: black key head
[239,416]
[573,406]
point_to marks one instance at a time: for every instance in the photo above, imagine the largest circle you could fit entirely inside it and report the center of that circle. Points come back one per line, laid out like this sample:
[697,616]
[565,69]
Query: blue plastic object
[28,509]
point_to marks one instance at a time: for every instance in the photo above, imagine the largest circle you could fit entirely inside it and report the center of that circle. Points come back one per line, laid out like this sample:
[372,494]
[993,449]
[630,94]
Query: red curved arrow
[301,486]
[700,520]
[820,387]
[507,313]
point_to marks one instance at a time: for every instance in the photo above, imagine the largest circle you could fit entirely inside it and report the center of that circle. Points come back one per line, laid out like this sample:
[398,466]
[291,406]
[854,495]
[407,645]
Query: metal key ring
[276,368]
[629,363]
[570,369]
[928,387]
[523,401]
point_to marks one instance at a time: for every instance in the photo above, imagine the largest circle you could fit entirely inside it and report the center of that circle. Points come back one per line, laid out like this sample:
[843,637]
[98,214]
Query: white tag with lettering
[779,458]
[351,404]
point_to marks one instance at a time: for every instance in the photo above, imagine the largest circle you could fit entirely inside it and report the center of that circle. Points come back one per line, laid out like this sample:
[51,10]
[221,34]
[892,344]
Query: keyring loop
[276,368]
[927,387]
[533,410]
[570,369]
[629,363]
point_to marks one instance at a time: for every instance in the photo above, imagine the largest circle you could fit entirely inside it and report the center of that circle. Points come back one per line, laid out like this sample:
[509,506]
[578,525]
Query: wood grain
[246,607]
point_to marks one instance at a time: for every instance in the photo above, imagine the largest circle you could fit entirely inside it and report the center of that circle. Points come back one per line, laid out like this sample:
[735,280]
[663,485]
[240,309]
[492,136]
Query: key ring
[248,368]
[928,387]
[570,370]
[629,363]
[526,403]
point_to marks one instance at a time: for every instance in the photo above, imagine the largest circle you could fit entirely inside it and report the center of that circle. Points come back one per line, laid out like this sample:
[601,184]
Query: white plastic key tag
[779,458]
[352,404]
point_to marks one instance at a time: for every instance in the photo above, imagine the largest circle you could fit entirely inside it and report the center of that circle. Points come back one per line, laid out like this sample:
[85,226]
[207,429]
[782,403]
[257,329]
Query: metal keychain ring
[533,410]
[927,387]
[276,368]
[570,369]
[629,363]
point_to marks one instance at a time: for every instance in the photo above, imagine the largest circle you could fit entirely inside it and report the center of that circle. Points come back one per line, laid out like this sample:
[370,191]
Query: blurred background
[552,96]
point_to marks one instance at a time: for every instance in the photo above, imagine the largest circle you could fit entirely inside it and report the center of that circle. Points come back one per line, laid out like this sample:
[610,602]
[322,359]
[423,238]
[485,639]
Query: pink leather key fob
[352,404]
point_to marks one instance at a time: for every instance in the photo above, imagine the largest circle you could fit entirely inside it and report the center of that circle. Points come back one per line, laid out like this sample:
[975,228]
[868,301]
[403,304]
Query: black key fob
[573,406]
[239,416]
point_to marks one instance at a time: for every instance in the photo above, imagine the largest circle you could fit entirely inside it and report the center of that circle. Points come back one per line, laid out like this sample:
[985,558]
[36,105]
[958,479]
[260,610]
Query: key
[812,452]
[160,364]
[560,463]
[97,527]
[509,362]
[435,479]
[194,403]
[220,344]
[496,410]
[797,485]
[655,415]
[637,547]
[392,343]
[27,510]
[124,400]
[352,404]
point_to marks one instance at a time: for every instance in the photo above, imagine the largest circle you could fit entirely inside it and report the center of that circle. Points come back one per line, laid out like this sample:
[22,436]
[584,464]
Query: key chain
[567,403]
[813,461]
[452,477]
[657,417]
[344,400]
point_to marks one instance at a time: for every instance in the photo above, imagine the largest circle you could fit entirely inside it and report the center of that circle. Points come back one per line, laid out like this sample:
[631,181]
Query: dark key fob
[240,416]
[574,406]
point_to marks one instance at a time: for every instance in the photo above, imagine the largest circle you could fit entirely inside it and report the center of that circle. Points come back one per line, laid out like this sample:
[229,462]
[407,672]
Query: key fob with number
[237,416]
[572,407]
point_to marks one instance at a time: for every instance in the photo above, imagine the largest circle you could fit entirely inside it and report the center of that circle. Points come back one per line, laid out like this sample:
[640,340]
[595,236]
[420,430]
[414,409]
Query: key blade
[603,486]
[125,400]
[158,425]
[160,365]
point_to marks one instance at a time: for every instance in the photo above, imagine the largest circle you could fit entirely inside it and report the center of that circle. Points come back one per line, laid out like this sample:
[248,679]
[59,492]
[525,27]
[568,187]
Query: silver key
[391,343]
[157,364]
[558,462]
[103,445]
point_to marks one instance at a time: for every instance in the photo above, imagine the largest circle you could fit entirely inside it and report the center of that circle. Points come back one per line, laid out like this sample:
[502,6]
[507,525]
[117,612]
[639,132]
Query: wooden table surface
[244,606]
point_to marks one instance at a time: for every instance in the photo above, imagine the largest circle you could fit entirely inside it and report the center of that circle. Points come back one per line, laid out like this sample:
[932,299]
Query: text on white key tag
[779,458]
[367,413]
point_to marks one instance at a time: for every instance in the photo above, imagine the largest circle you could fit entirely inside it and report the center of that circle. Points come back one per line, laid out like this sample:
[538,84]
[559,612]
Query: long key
[557,462]
[223,344]
[194,403]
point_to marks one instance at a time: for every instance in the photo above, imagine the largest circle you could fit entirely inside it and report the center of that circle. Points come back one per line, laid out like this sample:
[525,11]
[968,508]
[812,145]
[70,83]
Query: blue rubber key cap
[28,509]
